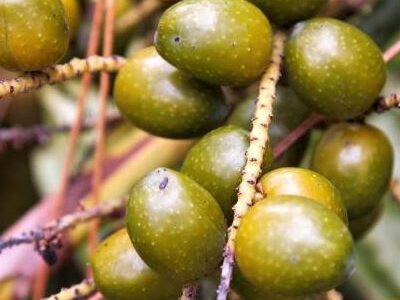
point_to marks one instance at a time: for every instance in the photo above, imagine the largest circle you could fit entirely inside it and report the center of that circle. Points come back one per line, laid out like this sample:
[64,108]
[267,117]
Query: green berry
[358,160]
[289,112]
[73,15]
[33,34]
[305,183]
[286,12]
[221,42]
[177,227]
[334,67]
[120,273]
[293,246]
[216,162]
[158,98]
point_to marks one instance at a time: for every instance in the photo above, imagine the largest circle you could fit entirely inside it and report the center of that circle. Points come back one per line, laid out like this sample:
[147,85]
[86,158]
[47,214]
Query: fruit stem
[392,52]
[59,73]
[101,123]
[18,137]
[296,134]
[189,291]
[254,157]
[49,233]
[137,14]
[81,290]
[395,187]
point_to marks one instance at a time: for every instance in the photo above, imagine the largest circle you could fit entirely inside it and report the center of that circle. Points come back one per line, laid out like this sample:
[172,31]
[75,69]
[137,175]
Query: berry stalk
[254,157]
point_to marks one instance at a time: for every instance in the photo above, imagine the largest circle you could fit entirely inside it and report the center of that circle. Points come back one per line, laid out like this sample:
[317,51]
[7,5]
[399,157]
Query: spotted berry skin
[358,160]
[120,273]
[33,34]
[177,227]
[305,183]
[223,42]
[293,246]
[286,12]
[216,162]
[158,98]
[334,67]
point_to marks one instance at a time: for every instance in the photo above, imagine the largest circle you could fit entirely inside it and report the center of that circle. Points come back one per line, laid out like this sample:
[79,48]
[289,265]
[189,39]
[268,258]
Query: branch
[189,291]
[296,134]
[58,73]
[395,187]
[46,238]
[392,52]
[82,290]
[387,103]
[18,137]
[254,157]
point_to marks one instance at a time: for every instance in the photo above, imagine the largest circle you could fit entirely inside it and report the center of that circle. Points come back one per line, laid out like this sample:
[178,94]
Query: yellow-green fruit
[359,227]
[305,183]
[334,67]
[120,273]
[164,101]
[177,227]
[122,6]
[73,15]
[216,162]
[358,160]
[33,34]
[286,12]
[221,42]
[293,246]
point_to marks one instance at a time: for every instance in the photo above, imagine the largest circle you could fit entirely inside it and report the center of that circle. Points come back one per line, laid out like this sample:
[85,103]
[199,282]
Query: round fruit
[293,246]
[120,273]
[73,15]
[358,160]
[334,67]
[248,292]
[33,34]
[216,162]
[159,99]
[359,227]
[286,12]
[305,183]
[218,41]
[289,112]
[176,226]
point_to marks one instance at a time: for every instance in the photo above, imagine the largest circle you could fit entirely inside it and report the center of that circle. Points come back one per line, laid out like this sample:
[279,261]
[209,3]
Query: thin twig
[387,103]
[189,291]
[49,234]
[18,137]
[254,157]
[59,202]
[296,134]
[80,291]
[59,73]
[395,188]
[137,14]
[392,52]
[101,123]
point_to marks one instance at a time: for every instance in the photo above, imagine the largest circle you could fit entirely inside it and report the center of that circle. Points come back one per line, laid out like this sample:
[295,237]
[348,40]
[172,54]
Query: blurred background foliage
[28,174]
